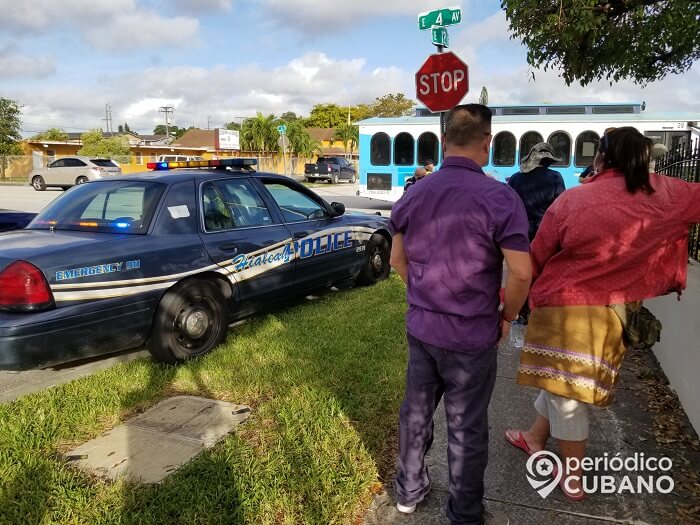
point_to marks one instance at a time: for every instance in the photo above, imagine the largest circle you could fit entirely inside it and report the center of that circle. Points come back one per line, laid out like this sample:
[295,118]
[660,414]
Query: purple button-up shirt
[454,224]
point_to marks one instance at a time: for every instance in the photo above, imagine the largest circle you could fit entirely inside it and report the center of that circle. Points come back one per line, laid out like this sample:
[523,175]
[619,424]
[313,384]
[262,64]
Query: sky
[217,61]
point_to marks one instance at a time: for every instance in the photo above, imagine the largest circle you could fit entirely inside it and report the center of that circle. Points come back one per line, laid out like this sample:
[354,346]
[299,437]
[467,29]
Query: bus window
[380,149]
[504,149]
[586,146]
[561,142]
[428,148]
[403,149]
[528,140]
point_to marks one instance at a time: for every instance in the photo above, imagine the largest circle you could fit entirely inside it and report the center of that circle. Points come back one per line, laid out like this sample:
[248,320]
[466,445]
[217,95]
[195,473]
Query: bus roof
[625,117]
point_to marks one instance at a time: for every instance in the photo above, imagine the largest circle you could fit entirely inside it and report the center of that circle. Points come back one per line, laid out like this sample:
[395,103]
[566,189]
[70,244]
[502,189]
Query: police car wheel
[376,267]
[191,320]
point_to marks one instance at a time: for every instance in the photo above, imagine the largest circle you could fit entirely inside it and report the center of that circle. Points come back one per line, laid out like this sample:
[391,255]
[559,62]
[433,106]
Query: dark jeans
[467,381]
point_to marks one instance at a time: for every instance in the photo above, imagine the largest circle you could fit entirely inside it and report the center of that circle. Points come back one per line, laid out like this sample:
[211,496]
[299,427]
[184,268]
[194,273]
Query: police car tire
[169,341]
[371,272]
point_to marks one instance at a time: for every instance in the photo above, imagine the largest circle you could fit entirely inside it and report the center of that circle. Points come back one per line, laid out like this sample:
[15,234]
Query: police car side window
[295,205]
[246,206]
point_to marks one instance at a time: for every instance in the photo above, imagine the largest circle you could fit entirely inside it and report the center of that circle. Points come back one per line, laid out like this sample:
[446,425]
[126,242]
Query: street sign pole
[283,141]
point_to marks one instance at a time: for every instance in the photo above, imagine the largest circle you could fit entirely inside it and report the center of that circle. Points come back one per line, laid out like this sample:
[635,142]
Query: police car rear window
[105,207]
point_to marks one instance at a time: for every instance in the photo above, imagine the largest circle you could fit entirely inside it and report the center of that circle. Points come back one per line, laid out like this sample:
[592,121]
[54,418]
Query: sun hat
[541,150]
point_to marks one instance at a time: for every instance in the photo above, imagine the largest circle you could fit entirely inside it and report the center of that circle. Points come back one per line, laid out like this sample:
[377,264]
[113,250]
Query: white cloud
[14,65]
[221,92]
[143,29]
[199,6]
[106,24]
[36,15]
[307,15]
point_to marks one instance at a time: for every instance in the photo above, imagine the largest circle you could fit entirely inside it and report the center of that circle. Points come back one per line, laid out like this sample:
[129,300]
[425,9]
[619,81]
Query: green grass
[325,380]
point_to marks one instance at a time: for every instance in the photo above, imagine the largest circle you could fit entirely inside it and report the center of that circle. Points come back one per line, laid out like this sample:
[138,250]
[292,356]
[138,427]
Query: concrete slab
[155,444]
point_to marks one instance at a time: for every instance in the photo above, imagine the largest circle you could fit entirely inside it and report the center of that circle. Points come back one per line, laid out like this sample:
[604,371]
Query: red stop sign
[442,81]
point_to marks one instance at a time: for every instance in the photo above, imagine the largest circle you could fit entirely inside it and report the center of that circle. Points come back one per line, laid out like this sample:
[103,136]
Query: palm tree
[300,142]
[259,133]
[348,134]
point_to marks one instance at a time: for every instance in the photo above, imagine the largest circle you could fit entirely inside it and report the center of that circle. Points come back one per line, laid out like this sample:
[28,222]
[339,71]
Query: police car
[170,258]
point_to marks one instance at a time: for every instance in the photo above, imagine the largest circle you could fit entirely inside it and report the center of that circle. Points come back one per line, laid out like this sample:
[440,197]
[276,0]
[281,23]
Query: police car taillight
[240,163]
[24,288]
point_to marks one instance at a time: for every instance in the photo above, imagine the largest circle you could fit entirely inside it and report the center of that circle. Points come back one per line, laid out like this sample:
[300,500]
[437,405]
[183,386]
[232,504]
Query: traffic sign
[440,37]
[442,81]
[440,17]
[282,129]
[283,141]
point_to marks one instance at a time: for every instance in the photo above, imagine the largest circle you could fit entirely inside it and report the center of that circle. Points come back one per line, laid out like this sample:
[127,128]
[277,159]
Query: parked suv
[69,171]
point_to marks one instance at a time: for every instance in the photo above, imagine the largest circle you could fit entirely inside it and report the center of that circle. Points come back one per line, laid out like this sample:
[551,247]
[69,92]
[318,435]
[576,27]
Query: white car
[70,171]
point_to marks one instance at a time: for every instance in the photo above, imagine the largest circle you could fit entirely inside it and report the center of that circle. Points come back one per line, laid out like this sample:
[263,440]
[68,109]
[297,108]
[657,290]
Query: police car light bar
[242,163]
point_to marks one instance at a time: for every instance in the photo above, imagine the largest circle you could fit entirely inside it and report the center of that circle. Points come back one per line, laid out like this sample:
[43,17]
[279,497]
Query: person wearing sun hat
[536,184]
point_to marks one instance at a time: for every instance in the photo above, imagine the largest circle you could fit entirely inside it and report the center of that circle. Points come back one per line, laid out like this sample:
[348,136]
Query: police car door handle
[300,235]
[230,247]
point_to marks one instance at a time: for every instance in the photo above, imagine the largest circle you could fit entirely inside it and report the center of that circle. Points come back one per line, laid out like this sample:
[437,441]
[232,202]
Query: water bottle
[517,337]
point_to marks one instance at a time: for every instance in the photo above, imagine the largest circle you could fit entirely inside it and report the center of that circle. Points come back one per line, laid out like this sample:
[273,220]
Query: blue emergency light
[240,163]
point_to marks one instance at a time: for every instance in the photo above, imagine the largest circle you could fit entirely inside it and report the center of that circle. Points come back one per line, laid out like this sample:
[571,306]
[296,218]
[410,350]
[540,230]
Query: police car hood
[26,245]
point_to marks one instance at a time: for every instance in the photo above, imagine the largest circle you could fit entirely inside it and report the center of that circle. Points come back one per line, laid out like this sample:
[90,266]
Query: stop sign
[442,81]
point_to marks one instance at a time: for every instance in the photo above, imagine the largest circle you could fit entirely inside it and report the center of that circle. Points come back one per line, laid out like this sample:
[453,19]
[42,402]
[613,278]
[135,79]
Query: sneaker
[405,509]
[495,518]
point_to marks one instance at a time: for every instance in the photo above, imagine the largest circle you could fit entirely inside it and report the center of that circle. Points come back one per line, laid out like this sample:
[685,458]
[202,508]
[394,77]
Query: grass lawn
[325,380]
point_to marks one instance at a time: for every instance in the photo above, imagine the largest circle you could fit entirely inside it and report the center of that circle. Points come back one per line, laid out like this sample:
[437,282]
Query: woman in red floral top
[631,246]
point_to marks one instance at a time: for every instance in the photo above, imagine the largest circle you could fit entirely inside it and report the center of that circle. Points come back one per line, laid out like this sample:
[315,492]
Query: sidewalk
[645,417]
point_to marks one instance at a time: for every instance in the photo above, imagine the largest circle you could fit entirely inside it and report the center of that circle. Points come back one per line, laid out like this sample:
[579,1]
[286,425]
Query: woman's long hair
[627,150]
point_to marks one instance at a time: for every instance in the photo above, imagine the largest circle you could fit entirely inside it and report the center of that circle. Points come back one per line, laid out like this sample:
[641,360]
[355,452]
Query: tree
[234,126]
[259,133]
[94,144]
[643,40]
[326,116]
[348,134]
[289,116]
[484,96]
[392,105]
[53,134]
[10,123]
[301,143]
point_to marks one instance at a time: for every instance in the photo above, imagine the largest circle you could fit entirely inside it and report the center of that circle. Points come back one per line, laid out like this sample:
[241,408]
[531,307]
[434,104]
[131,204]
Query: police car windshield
[105,207]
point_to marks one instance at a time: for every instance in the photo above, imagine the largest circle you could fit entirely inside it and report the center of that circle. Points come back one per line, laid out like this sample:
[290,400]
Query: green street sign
[440,17]
[440,37]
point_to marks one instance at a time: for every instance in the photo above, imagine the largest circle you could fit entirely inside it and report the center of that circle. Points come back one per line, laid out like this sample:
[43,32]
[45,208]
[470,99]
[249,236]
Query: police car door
[241,235]
[321,242]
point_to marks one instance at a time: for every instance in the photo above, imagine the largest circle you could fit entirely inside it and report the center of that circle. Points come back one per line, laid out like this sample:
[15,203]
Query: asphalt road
[25,198]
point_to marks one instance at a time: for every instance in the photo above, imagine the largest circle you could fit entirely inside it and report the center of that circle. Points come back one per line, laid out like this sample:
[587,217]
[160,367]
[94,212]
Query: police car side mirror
[337,209]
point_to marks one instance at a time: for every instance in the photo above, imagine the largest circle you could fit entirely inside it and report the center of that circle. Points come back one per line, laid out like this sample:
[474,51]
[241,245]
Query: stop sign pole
[436,21]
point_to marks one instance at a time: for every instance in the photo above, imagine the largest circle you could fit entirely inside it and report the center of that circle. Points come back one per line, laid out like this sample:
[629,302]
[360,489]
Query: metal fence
[683,162]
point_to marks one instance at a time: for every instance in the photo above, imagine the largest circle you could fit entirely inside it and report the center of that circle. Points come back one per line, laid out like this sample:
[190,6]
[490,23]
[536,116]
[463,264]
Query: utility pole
[208,121]
[168,110]
[108,117]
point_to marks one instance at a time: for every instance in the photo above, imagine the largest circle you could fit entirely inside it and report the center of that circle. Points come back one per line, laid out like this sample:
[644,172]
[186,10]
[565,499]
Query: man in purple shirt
[451,234]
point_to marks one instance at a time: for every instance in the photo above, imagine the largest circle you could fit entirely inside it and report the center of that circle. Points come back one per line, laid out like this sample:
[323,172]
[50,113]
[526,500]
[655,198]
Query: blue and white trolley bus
[392,148]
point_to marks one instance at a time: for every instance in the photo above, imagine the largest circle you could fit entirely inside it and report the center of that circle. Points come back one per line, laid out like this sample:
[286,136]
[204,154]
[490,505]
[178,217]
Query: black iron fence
[683,162]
